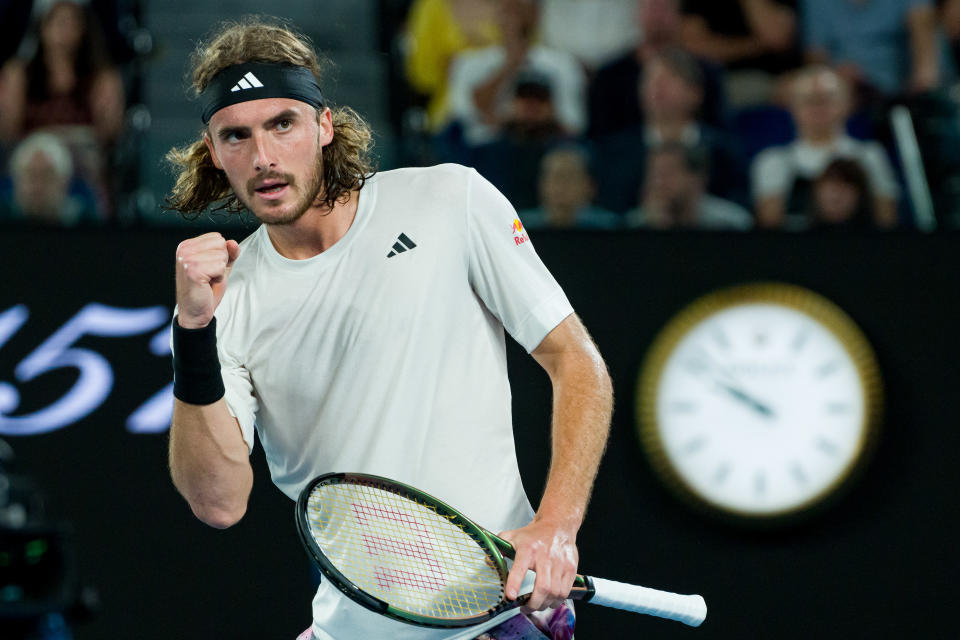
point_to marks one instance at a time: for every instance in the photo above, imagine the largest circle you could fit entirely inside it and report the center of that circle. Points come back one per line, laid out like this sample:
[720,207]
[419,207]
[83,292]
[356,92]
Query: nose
[265,157]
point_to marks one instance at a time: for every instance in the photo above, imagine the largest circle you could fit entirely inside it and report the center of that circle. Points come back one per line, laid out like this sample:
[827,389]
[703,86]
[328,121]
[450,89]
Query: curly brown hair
[347,160]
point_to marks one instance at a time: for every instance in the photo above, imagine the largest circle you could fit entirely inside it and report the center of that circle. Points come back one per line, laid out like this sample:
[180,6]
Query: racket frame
[497,550]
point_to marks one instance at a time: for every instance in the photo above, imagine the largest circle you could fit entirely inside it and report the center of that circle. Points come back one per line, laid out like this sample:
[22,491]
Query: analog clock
[759,401]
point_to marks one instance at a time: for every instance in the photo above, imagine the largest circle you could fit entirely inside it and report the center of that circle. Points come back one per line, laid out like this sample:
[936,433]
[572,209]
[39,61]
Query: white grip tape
[691,610]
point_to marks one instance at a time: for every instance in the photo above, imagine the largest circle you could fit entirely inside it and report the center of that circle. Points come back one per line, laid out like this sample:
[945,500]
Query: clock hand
[745,398]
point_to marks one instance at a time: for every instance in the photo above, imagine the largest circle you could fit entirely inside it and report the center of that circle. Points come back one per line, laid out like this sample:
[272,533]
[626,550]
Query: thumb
[233,251]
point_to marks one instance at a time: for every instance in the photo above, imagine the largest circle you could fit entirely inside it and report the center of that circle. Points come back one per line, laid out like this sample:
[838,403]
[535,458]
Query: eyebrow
[286,114]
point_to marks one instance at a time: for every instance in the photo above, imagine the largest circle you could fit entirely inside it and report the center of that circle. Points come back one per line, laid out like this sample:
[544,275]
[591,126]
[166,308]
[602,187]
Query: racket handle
[691,610]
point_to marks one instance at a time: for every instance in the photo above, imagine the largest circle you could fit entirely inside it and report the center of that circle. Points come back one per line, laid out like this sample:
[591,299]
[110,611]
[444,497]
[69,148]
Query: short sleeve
[241,402]
[883,183]
[506,272]
[770,174]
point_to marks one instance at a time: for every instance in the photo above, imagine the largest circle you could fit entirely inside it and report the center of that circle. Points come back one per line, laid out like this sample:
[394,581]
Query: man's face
[270,151]
[40,190]
[659,19]
[819,103]
[564,181]
[669,179]
[665,93]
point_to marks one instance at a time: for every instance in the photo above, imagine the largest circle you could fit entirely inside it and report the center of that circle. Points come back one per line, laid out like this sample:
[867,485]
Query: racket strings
[403,551]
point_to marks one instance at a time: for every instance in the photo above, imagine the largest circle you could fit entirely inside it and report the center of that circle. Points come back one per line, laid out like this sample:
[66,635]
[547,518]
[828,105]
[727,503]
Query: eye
[285,124]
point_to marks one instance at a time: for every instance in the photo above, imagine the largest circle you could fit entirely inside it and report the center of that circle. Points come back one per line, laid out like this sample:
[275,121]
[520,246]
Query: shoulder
[719,213]
[428,181]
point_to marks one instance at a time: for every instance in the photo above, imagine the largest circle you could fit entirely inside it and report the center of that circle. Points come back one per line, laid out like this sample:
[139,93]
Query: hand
[203,264]
[550,550]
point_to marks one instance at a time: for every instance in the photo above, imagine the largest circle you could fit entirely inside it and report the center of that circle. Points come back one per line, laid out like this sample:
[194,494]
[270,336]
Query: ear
[213,153]
[325,122]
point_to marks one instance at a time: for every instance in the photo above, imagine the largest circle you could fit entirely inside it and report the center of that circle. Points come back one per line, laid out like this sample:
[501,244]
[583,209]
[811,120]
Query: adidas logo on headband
[248,81]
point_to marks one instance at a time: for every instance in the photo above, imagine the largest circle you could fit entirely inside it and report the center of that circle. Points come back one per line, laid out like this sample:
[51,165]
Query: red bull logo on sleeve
[519,233]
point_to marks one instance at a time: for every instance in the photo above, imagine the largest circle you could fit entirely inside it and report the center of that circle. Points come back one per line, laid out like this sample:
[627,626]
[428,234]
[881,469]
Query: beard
[306,199]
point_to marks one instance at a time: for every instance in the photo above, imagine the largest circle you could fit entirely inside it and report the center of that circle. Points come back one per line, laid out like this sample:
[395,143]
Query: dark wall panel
[874,564]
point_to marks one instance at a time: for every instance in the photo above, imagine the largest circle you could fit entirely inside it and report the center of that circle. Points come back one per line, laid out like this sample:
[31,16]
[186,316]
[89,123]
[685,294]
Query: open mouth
[276,187]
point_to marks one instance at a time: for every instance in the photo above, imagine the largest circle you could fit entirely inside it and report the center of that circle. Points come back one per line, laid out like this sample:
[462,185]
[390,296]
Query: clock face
[760,408]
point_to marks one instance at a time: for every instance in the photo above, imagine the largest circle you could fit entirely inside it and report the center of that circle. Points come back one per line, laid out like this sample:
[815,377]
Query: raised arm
[209,460]
[582,406]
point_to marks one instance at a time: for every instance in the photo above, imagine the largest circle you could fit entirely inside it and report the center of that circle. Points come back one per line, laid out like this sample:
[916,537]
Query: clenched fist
[203,264]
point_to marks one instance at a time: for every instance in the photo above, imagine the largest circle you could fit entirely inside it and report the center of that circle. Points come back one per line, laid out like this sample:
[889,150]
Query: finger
[541,587]
[517,573]
[233,252]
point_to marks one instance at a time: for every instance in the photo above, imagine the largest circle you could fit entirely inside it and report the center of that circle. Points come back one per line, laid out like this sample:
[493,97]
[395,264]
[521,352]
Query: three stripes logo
[402,244]
[248,81]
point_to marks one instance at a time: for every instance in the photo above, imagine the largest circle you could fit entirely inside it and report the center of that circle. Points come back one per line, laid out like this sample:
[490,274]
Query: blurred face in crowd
[659,20]
[63,27]
[40,190]
[819,104]
[565,182]
[836,200]
[518,18]
[270,152]
[666,95]
[670,180]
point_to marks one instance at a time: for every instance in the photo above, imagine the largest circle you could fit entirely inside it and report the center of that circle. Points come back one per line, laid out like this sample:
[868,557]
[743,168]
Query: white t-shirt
[385,354]
[775,169]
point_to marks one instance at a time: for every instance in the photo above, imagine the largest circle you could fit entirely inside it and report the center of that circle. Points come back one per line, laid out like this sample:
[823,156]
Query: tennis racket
[404,554]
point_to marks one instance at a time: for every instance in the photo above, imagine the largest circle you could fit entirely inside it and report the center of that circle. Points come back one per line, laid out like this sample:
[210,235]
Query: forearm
[582,406]
[209,462]
[923,47]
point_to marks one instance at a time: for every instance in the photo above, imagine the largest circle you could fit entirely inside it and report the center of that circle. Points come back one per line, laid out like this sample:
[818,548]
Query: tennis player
[361,328]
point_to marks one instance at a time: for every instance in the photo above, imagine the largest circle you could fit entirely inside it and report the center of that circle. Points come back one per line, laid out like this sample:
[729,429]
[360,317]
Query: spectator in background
[841,197]
[482,83]
[756,41]
[437,31]
[781,176]
[881,47]
[42,190]
[566,194]
[529,129]
[950,17]
[64,82]
[674,195]
[592,31]
[64,77]
[614,100]
[672,90]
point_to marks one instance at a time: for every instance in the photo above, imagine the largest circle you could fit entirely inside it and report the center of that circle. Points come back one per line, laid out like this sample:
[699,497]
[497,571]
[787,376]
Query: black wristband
[196,366]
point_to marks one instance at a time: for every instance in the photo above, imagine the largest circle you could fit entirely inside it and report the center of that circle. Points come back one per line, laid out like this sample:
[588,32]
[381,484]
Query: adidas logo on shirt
[249,81]
[402,244]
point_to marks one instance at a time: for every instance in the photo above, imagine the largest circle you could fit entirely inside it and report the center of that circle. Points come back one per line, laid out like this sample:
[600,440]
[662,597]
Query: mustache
[255,183]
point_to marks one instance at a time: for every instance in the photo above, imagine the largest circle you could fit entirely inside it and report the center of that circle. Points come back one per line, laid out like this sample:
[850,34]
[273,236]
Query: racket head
[401,552]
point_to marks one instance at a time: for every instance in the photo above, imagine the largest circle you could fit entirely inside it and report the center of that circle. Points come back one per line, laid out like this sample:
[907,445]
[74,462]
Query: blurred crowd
[709,114]
[603,114]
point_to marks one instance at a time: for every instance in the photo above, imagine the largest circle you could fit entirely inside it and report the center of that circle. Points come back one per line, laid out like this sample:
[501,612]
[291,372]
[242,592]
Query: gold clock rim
[822,310]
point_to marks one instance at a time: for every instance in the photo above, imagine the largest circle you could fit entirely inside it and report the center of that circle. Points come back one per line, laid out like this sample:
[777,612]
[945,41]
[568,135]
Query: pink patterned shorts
[557,624]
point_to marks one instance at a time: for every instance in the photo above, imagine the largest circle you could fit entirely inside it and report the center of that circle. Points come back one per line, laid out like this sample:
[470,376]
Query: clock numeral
[827,447]
[826,369]
[760,483]
[800,341]
[694,445]
[798,473]
[838,408]
[683,406]
[721,338]
[721,474]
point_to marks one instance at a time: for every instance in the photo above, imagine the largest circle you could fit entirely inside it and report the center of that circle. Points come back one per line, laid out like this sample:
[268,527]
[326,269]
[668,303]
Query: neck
[315,231]
[561,215]
[670,127]
[822,138]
